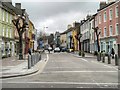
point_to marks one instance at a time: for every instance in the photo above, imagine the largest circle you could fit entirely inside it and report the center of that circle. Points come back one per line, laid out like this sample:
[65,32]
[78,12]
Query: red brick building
[107,21]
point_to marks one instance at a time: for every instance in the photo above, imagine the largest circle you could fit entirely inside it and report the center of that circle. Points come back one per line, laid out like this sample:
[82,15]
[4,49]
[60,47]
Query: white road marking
[84,60]
[105,65]
[66,83]
[80,71]
[111,67]
[47,57]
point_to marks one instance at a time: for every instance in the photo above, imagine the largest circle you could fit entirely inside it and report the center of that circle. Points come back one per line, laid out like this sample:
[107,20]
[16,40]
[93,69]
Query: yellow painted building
[74,40]
[30,34]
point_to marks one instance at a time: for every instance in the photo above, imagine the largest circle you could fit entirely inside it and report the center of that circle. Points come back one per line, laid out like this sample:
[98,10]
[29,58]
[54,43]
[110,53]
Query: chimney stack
[102,4]
[18,5]
[69,26]
[110,1]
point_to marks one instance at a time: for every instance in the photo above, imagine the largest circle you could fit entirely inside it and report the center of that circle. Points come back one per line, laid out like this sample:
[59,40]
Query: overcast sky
[57,15]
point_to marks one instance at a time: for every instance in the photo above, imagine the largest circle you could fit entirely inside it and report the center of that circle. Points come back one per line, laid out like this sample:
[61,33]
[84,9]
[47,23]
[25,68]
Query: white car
[49,48]
[57,49]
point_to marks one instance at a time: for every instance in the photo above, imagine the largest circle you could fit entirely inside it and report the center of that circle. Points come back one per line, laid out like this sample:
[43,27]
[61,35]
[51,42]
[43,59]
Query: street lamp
[21,25]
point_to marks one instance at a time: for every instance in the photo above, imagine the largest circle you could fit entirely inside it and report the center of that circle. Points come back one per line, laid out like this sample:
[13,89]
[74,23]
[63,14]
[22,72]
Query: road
[67,71]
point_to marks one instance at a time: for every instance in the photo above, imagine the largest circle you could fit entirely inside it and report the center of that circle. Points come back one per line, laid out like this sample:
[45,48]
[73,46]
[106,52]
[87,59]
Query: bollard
[32,60]
[35,58]
[109,59]
[40,57]
[98,56]
[116,59]
[29,61]
[103,59]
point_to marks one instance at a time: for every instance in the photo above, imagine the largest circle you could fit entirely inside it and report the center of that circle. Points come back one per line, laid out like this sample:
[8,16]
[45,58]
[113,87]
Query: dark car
[63,49]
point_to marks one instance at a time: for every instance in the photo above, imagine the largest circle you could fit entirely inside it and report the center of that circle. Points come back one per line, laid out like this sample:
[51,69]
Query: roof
[10,8]
[105,6]
[93,16]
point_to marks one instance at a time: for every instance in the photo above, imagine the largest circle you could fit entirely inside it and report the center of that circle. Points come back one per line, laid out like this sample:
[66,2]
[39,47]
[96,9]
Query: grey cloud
[57,15]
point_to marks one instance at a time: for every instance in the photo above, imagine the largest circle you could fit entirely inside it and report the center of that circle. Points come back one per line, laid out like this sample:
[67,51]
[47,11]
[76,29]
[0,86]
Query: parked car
[49,48]
[63,49]
[57,49]
[70,50]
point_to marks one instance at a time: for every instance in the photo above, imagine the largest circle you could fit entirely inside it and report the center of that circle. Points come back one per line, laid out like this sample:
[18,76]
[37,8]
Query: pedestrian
[112,53]
[29,51]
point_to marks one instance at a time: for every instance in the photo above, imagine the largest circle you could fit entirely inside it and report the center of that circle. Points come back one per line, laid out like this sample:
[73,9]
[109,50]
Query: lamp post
[21,25]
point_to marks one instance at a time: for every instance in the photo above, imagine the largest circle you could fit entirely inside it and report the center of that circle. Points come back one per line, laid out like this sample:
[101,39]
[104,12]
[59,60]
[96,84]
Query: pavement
[93,57]
[64,70]
[12,67]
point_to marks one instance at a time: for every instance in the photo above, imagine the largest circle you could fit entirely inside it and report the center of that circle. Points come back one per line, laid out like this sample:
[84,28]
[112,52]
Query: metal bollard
[32,60]
[29,61]
[103,59]
[116,59]
[40,57]
[109,59]
[98,57]
[35,58]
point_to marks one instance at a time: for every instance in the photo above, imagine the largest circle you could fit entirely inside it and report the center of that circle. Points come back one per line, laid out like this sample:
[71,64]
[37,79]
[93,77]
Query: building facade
[63,39]
[6,30]
[85,31]
[107,21]
[69,42]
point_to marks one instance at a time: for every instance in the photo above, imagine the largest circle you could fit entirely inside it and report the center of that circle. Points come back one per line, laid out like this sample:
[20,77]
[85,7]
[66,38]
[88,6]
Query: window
[93,36]
[10,33]
[90,26]
[101,46]
[3,15]
[110,14]
[116,11]
[117,28]
[3,30]
[10,19]
[105,17]
[100,31]
[111,45]
[6,32]
[111,30]
[105,32]
[6,16]
[99,19]
[0,14]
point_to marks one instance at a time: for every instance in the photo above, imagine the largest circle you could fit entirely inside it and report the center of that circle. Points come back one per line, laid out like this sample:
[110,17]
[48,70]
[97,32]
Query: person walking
[29,51]
[112,53]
